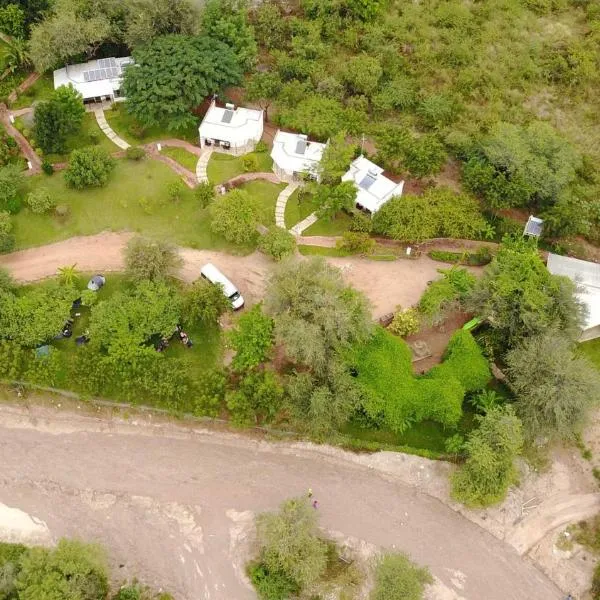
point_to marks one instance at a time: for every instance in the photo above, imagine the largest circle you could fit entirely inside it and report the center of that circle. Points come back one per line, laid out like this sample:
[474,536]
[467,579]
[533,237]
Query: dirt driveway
[386,284]
[175,505]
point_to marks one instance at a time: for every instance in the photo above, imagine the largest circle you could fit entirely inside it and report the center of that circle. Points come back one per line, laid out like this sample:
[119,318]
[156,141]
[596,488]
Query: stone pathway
[305,224]
[107,129]
[201,175]
[281,203]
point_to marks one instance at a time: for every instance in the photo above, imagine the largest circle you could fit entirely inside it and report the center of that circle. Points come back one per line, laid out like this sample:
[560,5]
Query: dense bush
[396,576]
[356,242]
[151,260]
[252,339]
[204,194]
[7,239]
[277,243]
[235,216]
[135,153]
[11,180]
[405,322]
[481,256]
[439,212]
[40,201]
[89,167]
[271,585]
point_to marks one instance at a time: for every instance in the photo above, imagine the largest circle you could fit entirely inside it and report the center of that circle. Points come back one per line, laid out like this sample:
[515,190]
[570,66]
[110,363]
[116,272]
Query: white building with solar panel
[587,277]
[373,187]
[97,80]
[232,129]
[294,157]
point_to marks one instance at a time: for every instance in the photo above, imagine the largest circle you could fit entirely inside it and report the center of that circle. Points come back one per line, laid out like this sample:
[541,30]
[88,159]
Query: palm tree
[17,56]
[68,275]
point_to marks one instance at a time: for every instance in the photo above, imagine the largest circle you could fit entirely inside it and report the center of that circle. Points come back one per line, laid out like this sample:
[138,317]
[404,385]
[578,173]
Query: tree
[362,74]
[204,194]
[491,449]
[263,88]
[315,313]
[151,260]
[333,199]
[149,19]
[11,180]
[128,319]
[235,217]
[40,201]
[12,20]
[517,166]
[271,29]
[204,302]
[58,118]
[7,238]
[396,576]
[89,167]
[71,570]
[227,21]
[17,55]
[277,243]
[257,398]
[66,34]
[520,298]
[555,387]
[175,73]
[336,159]
[438,212]
[68,275]
[341,10]
[289,542]
[252,339]
[316,116]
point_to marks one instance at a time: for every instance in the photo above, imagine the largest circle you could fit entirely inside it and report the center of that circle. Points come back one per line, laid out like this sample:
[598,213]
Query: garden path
[201,166]
[298,228]
[188,177]
[24,145]
[107,130]
[282,199]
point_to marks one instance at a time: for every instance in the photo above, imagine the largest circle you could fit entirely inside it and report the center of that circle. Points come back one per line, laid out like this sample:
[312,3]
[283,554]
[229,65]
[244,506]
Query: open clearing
[174,505]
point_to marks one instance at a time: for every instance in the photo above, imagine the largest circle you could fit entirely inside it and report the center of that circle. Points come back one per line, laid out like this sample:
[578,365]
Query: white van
[212,274]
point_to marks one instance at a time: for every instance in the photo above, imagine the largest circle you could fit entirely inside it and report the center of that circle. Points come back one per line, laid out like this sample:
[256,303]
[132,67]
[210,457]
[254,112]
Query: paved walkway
[201,175]
[246,177]
[107,129]
[282,199]
[298,228]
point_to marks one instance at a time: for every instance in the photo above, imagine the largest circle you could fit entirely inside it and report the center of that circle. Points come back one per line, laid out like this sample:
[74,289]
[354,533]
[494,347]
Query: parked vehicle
[212,274]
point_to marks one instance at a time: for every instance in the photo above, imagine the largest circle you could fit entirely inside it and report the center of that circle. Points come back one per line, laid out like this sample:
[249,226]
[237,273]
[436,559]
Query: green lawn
[135,199]
[182,156]
[127,127]
[90,135]
[265,193]
[223,167]
[591,350]
[296,209]
[336,226]
[40,90]
[4,48]
[321,251]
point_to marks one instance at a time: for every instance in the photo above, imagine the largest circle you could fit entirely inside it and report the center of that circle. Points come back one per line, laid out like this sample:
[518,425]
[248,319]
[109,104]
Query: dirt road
[175,505]
[386,284]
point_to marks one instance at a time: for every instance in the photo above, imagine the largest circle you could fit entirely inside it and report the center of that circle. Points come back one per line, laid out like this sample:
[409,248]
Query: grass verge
[182,156]
[223,167]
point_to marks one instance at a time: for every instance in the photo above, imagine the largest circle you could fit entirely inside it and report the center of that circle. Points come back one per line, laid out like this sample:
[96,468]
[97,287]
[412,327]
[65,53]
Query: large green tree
[252,339]
[520,298]
[89,167]
[555,387]
[397,577]
[204,302]
[152,260]
[175,73]
[58,118]
[235,217]
[336,159]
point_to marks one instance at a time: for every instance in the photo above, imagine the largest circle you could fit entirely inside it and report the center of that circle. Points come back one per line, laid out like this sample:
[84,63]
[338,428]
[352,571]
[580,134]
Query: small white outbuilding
[96,80]
[587,277]
[294,156]
[373,187]
[230,128]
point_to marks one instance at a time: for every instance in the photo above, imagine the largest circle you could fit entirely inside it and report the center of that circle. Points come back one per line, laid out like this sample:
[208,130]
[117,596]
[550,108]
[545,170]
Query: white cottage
[294,156]
[96,80]
[234,129]
[374,189]
[587,277]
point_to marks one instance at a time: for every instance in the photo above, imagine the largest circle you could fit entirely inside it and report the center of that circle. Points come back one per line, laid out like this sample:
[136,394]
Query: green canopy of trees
[175,73]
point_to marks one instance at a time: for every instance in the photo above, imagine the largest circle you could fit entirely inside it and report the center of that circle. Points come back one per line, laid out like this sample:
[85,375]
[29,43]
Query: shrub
[261,147]
[135,153]
[88,297]
[445,294]
[249,163]
[277,243]
[252,339]
[396,576]
[150,260]
[361,223]
[11,180]
[204,193]
[7,239]
[271,585]
[175,190]
[405,322]
[62,211]
[482,256]
[210,393]
[47,167]
[89,167]
[356,242]
[136,130]
[40,201]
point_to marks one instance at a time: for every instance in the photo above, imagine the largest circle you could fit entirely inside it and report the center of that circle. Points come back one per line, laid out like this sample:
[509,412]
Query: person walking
[309,493]
[315,504]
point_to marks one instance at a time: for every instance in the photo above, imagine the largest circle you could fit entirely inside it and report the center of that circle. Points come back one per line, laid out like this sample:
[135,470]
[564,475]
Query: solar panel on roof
[227,116]
[300,146]
[367,181]
[114,72]
[86,75]
[112,61]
